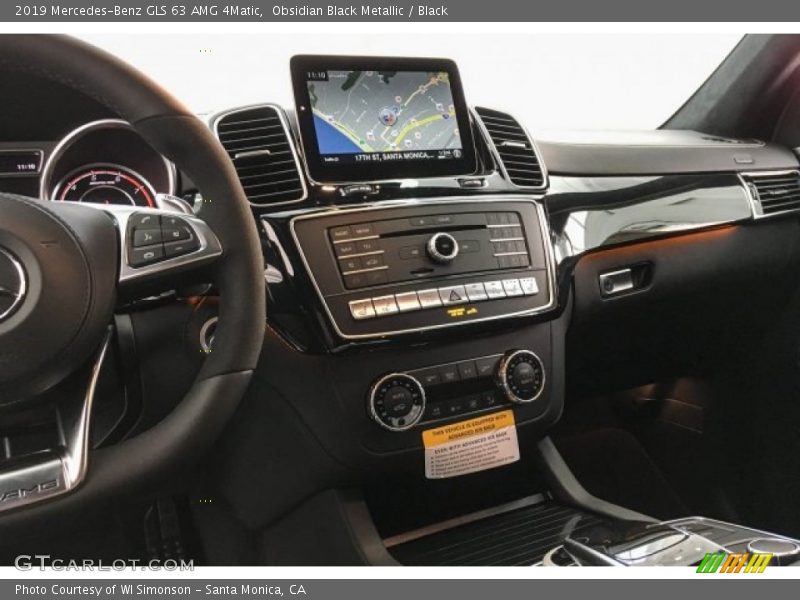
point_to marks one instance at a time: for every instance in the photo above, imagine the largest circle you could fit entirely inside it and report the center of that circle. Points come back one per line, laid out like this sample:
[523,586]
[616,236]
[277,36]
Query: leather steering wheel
[64,266]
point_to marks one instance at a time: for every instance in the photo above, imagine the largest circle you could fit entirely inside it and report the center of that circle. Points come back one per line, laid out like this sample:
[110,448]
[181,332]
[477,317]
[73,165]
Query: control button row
[460,371]
[458,406]
[431,220]
[368,308]
[412,252]
[509,232]
[358,248]
[350,232]
[360,264]
[513,260]
[153,237]
[502,218]
[504,247]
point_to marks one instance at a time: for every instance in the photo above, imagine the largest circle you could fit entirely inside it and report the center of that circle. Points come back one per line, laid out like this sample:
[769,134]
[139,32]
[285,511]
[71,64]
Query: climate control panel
[399,401]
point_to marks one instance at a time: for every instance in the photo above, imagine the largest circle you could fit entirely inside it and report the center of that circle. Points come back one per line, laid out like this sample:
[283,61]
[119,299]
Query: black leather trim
[87,69]
[143,462]
[171,129]
[239,273]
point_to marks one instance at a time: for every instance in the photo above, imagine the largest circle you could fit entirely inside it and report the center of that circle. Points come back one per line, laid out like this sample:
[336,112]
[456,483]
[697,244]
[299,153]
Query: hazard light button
[453,295]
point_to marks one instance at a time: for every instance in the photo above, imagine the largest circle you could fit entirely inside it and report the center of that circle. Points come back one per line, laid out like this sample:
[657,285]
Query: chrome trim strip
[358,239]
[683,521]
[290,138]
[370,253]
[755,205]
[419,202]
[22,288]
[273,239]
[59,470]
[44,182]
[490,142]
[479,515]
[383,268]
[251,153]
[174,203]
[207,341]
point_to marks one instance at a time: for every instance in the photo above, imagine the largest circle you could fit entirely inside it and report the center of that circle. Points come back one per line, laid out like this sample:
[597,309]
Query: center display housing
[368,119]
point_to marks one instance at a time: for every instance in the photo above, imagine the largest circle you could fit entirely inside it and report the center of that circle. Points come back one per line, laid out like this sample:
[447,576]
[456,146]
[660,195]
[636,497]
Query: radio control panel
[385,271]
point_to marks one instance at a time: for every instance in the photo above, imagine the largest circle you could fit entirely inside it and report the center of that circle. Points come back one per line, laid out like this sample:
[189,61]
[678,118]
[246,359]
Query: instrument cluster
[106,162]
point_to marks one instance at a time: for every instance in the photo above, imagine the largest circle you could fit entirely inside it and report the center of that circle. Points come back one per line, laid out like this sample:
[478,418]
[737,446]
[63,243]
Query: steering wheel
[63,267]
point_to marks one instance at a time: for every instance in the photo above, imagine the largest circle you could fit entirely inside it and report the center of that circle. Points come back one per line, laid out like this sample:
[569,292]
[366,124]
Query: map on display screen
[362,116]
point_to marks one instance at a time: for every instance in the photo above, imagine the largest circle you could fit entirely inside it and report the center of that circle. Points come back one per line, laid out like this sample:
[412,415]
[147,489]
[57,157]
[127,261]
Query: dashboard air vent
[514,148]
[774,193]
[259,142]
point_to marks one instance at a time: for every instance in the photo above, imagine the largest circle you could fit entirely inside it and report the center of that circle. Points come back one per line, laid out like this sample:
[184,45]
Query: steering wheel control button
[520,376]
[153,238]
[146,237]
[145,256]
[453,295]
[141,220]
[362,309]
[442,248]
[176,234]
[180,248]
[396,401]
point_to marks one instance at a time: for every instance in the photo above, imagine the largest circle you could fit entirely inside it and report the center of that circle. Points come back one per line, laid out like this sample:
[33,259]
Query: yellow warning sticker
[469,446]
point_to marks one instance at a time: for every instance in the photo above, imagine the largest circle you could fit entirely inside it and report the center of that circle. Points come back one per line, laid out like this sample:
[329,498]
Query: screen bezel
[320,173]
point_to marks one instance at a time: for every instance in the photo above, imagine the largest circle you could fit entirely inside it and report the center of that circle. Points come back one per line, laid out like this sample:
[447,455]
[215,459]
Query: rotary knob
[442,247]
[784,552]
[520,376]
[396,401]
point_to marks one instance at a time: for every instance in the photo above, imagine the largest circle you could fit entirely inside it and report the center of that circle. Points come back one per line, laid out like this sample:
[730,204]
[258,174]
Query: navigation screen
[384,115]
[364,119]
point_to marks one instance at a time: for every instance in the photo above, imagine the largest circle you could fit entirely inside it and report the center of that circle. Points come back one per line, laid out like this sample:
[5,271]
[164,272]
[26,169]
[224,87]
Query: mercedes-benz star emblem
[13,284]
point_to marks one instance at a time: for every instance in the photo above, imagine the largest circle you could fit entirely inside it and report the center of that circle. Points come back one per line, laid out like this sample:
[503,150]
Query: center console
[710,545]
[406,269]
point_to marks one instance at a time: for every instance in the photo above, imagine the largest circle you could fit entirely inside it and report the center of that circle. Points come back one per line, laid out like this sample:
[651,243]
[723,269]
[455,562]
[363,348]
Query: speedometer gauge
[105,184]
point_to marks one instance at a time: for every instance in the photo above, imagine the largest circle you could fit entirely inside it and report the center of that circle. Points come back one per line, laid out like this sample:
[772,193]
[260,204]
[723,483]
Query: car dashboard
[436,284]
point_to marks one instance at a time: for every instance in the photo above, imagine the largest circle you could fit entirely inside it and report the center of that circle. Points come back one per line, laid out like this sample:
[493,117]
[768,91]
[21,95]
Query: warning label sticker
[470,446]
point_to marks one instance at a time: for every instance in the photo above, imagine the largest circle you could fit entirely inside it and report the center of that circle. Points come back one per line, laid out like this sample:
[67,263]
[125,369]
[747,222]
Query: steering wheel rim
[180,136]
